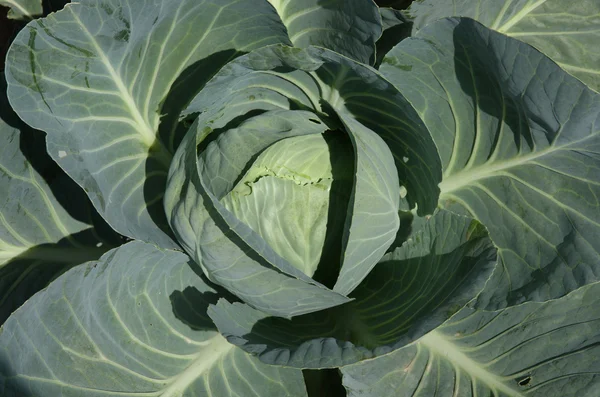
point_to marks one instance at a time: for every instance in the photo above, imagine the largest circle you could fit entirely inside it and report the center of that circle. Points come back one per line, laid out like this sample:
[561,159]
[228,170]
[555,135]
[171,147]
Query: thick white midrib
[437,344]
[465,178]
[555,33]
[145,130]
[519,16]
[299,14]
[205,361]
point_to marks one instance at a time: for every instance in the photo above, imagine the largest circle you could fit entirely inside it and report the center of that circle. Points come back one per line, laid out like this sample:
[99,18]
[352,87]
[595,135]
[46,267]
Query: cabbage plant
[238,198]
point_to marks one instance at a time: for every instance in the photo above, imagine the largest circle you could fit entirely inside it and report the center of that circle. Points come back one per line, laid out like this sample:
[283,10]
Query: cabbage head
[237,198]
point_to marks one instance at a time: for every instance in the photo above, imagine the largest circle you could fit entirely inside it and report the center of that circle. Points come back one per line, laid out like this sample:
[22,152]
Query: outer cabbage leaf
[47,225]
[348,27]
[412,290]
[534,349]
[23,9]
[107,79]
[567,33]
[132,323]
[520,144]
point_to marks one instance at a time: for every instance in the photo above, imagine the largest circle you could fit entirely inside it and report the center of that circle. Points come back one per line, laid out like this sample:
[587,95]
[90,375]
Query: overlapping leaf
[233,104]
[535,349]
[99,75]
[520,144]
[47,225]
[132,323]
[410,292]
[374,218]
[348,27]
[230,252]
[566,32]
[292,78]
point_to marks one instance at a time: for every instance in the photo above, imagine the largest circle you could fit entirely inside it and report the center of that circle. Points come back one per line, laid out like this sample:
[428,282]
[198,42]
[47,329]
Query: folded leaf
[295,195]
[396,27]
[409,293]
[230,252]
[252,91]
[373,217]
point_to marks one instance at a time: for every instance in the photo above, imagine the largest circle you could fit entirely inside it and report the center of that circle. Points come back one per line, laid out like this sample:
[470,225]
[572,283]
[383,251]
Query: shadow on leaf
[34,269]
[173,127]
[190,306]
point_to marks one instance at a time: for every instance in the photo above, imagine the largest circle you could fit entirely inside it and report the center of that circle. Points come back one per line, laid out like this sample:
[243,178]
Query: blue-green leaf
[410,292]
[520,144]
[373,218]
[567,33]
[535,349]
[107,79]
[396,27]
[132,323]
[348,27]
[47,224]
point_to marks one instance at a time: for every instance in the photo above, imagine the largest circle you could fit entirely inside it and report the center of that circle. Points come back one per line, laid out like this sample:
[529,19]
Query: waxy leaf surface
[519,140]
[107,79]
[132,323]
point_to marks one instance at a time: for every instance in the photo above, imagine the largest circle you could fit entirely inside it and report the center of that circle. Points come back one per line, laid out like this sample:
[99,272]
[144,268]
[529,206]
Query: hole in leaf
[314,121]
[524,381]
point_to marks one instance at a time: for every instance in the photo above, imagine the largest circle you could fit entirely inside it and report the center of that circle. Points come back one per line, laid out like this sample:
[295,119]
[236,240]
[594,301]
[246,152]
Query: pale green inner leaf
[285,197]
